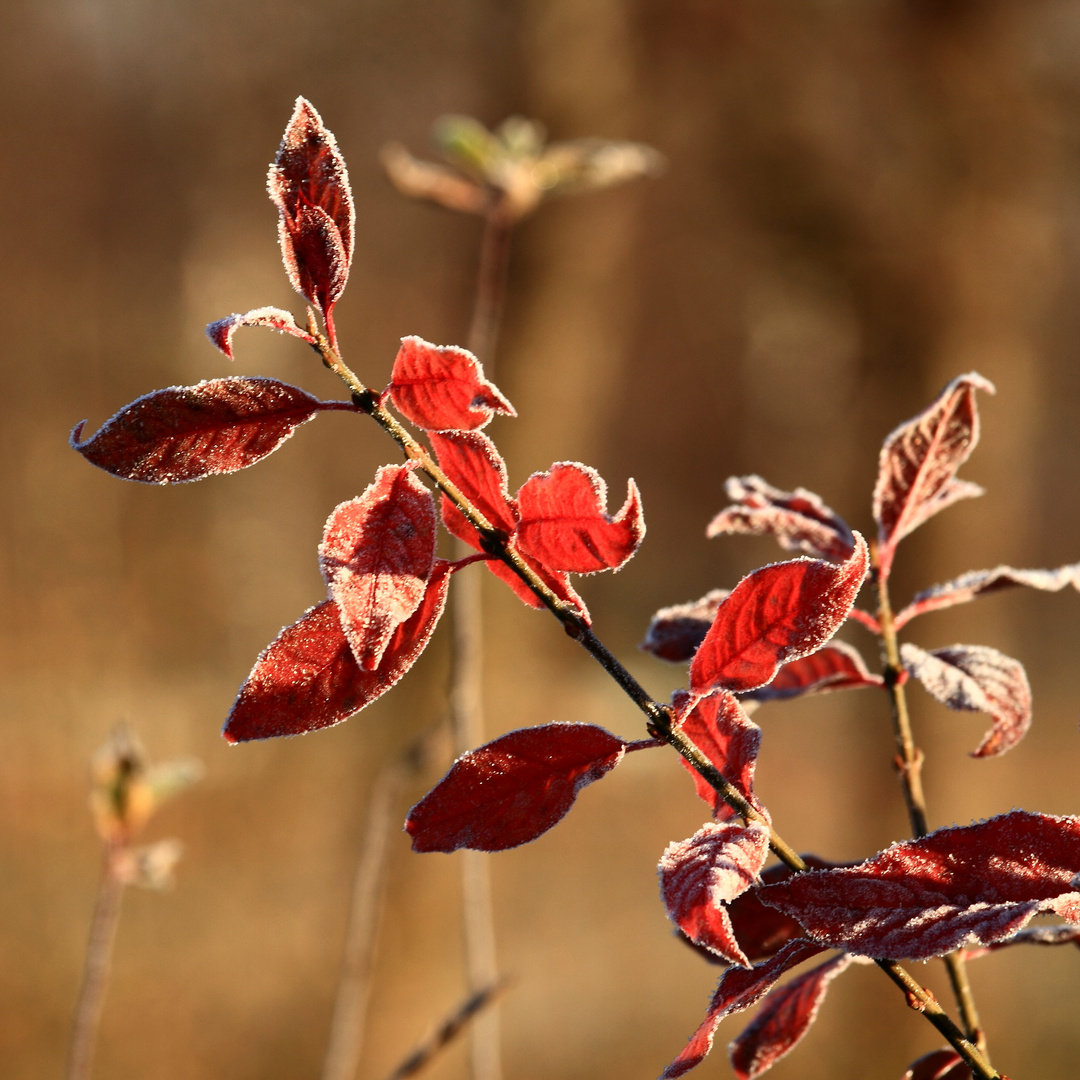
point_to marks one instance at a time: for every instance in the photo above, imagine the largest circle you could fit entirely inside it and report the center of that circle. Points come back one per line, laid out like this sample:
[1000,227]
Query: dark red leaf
[309,185]
[784,1018]
[775,615]
[976,678]
[188,432]
[376,556]
[835,667]
[718,726]
[563,523]
[1032,935]
[944,1064]
[918,464]
[699,876]
[739,988]
[308,678]
[444,388]
[978,582]
[798,519]
[956,887]
[676,632]
[221,332]
[513,789]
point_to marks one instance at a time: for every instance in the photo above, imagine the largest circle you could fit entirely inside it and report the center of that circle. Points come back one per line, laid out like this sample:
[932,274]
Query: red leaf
[783,1019]
[739,988]
[563,523]
[376,556]
[944,1064]
[799,520]
[976,678]
[556,580]
[718,726]
[955,887]
[835,667]
[699,876]
[977,582]
[308,678]
[309,185]
[774,615]
[1033,935]
[476,468]
[221,332]
[444,388]
[513,789]
[676,632]
[918,464]
[188,432]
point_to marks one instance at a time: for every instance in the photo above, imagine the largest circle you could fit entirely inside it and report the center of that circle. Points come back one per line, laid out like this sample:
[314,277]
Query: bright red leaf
[563,523]
[978,582]
[513,789]
[309,185]
[798,519]
[376,556]
[699,876]
[775,615]
[954,888]
[739,988]
[308,678]
[221,332]
[976,678]
[188,432]
[477,469]
[837,666]
[918,464]
[443,388]
[784,1018]
[676,632]
[944,1064]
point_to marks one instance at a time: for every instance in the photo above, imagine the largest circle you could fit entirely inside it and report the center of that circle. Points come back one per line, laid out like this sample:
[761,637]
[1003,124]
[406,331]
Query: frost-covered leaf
[837,666]
[1032,935]
[443,388]
[564,525]
[978,582]
[919,460]
[954,888]
[475,466]
[784,1018]
[699,876]
[221,332]
[513,789]
[188,432]
[976,678]
[376,556]
[676,632]
[718,726]
[309,184]
[798,519]
[774,615]
[739,989]
[944,1064]
[308,678]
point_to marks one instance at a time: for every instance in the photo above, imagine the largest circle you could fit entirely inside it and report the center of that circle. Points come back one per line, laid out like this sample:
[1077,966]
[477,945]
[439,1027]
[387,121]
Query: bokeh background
[863,199]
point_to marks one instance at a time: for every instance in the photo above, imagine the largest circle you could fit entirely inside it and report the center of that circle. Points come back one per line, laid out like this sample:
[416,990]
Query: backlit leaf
[837,666]
[563,521]
[376,556]
[919,460]
[954,888]
[774,615]
[475,466]
[798,519]
[676,632]
[784,1018]
[188,432]
[699,876]
[221,332]
[443,388]
[513,789]
[308,678]
[976,678]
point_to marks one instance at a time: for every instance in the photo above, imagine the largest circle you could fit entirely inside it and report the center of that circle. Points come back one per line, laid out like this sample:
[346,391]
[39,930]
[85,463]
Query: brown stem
[909,762]
[99,950]
[658,717]
[491,283]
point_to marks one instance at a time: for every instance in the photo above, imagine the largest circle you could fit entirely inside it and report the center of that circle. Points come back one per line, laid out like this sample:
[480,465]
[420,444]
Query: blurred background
[862,200]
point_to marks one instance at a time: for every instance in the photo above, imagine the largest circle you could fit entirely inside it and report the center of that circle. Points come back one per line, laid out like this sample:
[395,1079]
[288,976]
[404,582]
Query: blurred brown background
[863,200]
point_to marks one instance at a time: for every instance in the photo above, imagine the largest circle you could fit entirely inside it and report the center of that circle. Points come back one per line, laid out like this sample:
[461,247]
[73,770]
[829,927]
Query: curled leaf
[675,632]
[976,678]
[837,666]
[221,332]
